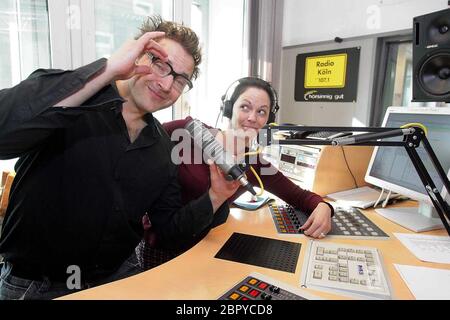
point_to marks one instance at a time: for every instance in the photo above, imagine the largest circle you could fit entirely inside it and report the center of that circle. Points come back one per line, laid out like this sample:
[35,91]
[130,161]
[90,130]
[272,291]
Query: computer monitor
[391,168]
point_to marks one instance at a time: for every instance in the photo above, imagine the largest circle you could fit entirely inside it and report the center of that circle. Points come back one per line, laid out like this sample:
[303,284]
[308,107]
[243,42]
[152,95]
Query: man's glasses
[181,83]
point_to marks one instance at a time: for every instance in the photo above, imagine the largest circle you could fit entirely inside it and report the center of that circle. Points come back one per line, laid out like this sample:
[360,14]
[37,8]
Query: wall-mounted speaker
[431,57]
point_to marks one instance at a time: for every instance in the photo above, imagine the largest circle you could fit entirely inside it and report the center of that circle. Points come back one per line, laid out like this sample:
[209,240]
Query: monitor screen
[391,167]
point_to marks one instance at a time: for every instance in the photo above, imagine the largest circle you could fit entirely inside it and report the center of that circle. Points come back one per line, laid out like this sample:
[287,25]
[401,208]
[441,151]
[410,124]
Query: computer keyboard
[362,197]
[355,271]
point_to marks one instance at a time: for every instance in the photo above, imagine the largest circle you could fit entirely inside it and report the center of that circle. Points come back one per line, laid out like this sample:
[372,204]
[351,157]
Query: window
[224,54]
[118,21]
[394,79]
[24,39]
[397,85]
[24,44]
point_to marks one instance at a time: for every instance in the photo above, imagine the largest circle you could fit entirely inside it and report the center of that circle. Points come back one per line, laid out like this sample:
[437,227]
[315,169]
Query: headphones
[230,96]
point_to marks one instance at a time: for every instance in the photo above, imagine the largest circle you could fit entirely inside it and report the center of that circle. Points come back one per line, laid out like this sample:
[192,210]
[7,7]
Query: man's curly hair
[177,32]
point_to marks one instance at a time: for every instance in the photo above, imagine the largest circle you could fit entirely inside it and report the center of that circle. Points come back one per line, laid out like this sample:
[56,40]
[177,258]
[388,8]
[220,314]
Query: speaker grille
[434,75]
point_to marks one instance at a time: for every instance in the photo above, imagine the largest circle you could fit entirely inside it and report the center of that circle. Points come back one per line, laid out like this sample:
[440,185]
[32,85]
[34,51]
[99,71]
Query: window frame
[382,54]
[72,36]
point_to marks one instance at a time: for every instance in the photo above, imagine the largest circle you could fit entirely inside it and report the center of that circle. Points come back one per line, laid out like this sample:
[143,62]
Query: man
[93,161]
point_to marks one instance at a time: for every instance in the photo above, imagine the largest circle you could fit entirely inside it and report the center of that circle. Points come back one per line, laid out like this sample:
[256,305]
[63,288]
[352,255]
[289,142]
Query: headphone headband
[227,104]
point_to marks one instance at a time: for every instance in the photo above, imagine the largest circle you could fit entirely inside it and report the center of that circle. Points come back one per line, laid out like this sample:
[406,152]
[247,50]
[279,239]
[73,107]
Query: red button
[263,285]
[254,293]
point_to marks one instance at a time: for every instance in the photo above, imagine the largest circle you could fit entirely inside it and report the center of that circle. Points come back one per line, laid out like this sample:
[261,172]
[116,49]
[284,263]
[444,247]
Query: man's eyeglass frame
[172,72]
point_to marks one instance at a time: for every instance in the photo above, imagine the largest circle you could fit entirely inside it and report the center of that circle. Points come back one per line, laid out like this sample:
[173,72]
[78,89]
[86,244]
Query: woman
[251,104]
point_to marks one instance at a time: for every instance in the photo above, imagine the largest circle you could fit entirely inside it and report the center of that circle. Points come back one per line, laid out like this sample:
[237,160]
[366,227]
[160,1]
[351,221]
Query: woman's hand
[319,222]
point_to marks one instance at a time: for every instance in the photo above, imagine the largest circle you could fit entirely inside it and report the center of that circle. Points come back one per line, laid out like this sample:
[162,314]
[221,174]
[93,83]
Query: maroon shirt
[195,179]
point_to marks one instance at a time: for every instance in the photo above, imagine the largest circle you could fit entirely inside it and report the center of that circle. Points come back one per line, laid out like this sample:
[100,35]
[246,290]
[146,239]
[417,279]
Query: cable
[388,197]
[348,167]
[261,185]
[379,198]
[217,120]
[253,153]
[415,124]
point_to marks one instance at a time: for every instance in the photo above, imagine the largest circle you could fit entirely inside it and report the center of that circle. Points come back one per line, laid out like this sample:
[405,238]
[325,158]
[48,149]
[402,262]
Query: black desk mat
[262,252]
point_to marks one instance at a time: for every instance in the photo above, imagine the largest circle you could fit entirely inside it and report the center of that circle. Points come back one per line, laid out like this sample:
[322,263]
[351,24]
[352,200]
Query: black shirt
[81,187]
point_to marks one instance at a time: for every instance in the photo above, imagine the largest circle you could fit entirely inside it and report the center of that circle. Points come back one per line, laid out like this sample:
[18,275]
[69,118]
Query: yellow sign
[326,71]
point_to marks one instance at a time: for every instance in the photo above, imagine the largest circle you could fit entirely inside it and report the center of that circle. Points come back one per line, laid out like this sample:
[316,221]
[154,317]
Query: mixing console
[260,287]
[347,222]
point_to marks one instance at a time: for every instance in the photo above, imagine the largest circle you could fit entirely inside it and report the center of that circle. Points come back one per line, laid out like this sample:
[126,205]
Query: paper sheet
[426,283]
[427,248]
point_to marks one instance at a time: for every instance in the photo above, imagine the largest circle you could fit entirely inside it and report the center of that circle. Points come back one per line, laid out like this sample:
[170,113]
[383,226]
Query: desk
[196,274]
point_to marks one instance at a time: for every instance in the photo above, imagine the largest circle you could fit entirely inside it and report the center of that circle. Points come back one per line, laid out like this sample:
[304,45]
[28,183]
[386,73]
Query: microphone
[215,151]
[371,136]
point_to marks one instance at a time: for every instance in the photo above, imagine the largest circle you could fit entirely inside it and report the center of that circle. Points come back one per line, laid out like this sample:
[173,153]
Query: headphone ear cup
[227,109]
[271,118]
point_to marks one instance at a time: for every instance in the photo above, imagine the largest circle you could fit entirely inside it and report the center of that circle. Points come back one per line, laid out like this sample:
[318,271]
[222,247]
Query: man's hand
[319,222]
[220,189]
[122,64]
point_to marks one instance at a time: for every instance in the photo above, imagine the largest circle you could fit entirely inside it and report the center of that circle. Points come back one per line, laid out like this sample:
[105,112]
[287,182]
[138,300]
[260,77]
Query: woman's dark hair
[253,82]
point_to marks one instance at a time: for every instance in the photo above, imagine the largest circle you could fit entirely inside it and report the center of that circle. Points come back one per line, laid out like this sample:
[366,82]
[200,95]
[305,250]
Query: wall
[328,113]
[308,21]
[310,26]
